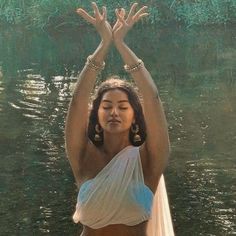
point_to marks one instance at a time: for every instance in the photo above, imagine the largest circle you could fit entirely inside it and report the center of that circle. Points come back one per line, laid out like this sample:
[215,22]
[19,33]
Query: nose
[114,111]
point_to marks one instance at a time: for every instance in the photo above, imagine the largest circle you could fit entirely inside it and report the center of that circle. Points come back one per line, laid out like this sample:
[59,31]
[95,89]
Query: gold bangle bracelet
[135,67]
[94,66]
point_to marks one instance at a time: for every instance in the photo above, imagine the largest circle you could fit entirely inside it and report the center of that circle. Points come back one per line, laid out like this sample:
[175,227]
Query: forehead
[115,95]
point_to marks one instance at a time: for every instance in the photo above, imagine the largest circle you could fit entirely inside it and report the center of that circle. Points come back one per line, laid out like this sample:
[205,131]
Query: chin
[117,130]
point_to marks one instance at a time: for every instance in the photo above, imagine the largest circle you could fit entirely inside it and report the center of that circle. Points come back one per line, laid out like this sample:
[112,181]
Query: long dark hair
[112,83]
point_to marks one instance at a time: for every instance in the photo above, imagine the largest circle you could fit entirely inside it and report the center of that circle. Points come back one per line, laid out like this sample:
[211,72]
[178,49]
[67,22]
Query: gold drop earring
[98,130]
[135,131]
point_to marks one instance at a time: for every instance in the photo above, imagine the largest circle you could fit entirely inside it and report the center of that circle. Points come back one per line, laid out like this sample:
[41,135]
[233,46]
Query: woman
[117,158]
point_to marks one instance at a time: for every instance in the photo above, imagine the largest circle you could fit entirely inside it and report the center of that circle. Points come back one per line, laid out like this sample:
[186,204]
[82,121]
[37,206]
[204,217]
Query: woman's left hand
[99,21]
[122,25]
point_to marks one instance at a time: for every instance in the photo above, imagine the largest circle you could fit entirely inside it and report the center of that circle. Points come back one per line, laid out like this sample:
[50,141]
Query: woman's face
[115,114]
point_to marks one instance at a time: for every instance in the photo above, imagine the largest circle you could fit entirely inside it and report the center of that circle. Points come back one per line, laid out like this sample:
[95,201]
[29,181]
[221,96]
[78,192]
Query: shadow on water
[195,74]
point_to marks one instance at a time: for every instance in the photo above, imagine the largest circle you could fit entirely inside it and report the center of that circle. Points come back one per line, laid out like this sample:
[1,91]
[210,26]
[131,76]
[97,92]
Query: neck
[114,143]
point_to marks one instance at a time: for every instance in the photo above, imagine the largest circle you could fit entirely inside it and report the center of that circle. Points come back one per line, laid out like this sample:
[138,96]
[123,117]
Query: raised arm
[156,147]
[77,117]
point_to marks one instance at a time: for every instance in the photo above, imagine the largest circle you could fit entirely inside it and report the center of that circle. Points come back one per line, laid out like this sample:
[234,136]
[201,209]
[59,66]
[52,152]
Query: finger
[119,17]
[139,12]
[120,20]
[141,16]
[96,11]
[132,11]
[122,13]
[116,25]
[85,15]
[104,13]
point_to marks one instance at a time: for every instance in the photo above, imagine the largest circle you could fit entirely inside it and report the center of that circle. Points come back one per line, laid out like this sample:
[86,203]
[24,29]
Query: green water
[196,76]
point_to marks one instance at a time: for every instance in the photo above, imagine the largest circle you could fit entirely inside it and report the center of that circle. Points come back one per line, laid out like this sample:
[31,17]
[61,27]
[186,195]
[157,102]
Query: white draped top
[117,195]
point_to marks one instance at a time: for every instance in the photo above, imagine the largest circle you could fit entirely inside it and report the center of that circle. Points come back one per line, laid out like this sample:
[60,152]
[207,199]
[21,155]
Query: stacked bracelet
[135,67]
[93,65]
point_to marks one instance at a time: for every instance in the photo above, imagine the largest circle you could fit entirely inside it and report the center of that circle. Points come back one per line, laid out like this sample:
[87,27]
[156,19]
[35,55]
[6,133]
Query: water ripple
[1,95]
[205,176]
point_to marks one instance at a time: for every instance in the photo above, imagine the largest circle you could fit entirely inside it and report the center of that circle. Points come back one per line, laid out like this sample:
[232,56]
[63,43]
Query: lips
[113,121]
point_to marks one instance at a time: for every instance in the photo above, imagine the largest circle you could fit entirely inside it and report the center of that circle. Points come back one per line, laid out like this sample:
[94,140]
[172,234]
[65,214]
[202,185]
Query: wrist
[134,67]
[94,64]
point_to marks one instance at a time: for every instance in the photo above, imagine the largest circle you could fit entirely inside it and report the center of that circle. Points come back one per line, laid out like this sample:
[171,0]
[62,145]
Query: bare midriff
[117,230]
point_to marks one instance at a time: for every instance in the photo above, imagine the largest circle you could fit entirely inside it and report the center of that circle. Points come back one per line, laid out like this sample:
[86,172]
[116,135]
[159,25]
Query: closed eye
[122,108]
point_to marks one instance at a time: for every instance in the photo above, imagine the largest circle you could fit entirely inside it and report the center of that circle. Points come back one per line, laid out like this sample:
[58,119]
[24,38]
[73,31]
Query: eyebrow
[105,100]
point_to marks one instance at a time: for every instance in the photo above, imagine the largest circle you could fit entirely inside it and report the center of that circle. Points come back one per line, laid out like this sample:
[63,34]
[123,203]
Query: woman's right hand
[99,21]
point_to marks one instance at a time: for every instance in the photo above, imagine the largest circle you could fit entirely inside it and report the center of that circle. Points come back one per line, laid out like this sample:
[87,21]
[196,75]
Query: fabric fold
[111,197]
[118,195]
[160,223]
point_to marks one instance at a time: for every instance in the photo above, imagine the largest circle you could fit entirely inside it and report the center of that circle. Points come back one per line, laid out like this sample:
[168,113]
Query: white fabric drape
[111,197]
[114,196]
[160,223]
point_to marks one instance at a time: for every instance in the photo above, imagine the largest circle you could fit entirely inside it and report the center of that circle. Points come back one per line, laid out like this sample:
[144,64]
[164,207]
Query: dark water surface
[195,72]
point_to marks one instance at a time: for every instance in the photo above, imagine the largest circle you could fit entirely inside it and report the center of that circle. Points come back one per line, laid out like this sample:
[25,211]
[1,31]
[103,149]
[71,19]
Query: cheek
[130,116]
[101,114]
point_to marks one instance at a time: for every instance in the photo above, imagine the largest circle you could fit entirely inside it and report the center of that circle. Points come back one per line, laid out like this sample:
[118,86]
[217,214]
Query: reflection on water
[196,80]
